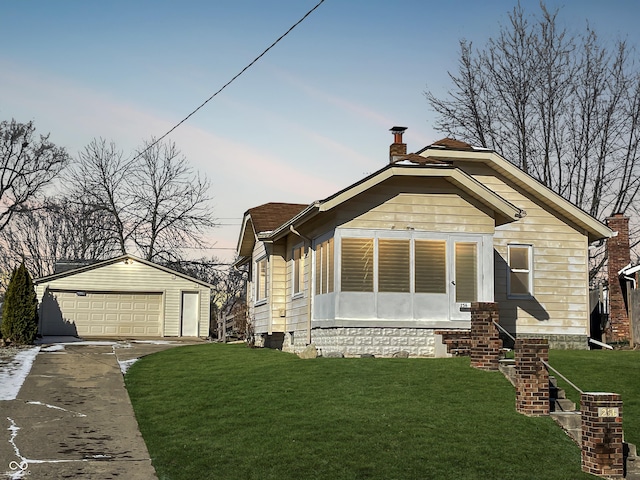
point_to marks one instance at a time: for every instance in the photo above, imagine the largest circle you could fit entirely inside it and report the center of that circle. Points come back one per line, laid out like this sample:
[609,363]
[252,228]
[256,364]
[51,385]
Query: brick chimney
[619,256]
[397,148]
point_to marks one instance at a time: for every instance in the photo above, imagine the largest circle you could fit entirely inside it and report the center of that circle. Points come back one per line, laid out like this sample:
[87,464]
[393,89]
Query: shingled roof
[270,216]
[452,143]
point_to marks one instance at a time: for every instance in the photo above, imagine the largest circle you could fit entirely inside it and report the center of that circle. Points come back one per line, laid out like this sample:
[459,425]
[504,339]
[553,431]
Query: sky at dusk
[308,119]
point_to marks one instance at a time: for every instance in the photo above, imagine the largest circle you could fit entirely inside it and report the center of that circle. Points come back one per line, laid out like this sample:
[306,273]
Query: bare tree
[56,230]
[28,164]
[170,202]
[565,109]
[154,203]
[101,177]
[228,291]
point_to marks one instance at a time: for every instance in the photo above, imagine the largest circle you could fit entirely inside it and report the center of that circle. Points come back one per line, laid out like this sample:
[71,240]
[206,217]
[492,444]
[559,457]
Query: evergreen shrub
[20,310]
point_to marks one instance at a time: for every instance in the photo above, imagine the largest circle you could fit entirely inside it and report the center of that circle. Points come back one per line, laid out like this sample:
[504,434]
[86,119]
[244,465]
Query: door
[189,314]
[466,272]
[101,314]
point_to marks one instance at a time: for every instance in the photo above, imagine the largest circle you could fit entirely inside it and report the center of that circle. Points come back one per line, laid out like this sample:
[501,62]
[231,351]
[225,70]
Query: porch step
[558,399]
[508,368]
[571,423]
[458,342]
[632,462]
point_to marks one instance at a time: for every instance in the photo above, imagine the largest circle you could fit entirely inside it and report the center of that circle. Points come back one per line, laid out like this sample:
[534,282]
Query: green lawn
[230,412]
[615,371]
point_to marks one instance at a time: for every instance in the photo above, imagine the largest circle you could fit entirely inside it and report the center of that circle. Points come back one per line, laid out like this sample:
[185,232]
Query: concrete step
[632,462]
[562,405]
[508,368]
[571,423]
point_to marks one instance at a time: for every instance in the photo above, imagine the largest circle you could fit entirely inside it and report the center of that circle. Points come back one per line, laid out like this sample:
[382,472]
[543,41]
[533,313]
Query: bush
[20,310]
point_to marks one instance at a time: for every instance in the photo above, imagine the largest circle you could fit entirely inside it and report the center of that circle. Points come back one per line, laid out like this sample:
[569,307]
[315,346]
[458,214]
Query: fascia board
[244,233]
[595,229]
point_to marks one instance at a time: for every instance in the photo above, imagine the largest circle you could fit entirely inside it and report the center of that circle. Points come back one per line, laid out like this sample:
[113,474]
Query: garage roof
[122,258]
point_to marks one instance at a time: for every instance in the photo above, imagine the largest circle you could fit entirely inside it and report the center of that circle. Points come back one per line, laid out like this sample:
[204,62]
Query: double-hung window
[520,279]
[262,274]
[298,270]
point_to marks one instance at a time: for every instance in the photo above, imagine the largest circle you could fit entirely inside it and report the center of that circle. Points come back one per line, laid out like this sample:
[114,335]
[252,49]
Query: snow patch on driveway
[13,373]
[125,364]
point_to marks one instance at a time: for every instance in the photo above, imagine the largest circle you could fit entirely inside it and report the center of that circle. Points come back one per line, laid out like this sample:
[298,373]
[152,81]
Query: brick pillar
[532,377]
[618,257]
[602,449]
[485,340]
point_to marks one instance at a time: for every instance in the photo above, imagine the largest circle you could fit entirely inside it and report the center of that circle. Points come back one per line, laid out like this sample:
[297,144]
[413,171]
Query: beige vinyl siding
[259,314]
[423,204]
[139,278]
[297,307]
[560,269]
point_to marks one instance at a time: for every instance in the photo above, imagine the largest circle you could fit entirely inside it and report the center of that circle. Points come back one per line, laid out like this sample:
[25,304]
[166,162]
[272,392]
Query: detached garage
[123,297]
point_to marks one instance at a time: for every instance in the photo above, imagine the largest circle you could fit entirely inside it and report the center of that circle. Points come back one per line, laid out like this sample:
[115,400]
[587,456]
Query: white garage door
[104,314]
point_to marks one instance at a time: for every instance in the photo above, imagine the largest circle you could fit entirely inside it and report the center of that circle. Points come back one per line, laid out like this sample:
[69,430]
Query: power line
[230,81]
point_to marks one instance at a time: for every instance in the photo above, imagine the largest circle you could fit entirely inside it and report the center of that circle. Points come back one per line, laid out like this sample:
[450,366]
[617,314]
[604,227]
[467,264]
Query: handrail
[561,376]
[545,363]
[503,330]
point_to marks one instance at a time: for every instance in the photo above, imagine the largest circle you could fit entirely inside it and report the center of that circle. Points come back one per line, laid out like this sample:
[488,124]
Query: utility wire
[155,142]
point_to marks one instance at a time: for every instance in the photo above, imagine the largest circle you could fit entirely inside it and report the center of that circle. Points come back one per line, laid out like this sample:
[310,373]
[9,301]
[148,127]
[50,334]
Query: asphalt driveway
[72,418]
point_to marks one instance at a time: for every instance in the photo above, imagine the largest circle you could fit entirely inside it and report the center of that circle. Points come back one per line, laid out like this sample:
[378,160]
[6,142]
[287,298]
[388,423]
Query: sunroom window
[394,262]
[431,266]
[324,267]
[357,265]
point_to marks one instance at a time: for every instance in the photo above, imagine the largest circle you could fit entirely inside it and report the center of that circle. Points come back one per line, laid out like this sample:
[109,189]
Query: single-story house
[123,297]
[382,265]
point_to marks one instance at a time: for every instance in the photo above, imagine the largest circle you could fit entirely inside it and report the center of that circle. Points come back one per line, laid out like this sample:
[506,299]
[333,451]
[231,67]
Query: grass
[229,412]
[604,371]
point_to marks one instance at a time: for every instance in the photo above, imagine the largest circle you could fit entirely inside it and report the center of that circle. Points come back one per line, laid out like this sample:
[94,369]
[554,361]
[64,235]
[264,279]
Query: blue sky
[308,119]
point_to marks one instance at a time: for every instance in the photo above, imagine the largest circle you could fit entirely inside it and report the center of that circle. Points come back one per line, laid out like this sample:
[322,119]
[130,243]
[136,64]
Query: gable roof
[271,215]
[447,151]
[273,220]
[263,219]
[121,258]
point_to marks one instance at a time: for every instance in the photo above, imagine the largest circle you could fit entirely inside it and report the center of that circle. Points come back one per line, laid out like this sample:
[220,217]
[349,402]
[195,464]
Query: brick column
[618,257]
[602,452]
[532,377]
[485,340]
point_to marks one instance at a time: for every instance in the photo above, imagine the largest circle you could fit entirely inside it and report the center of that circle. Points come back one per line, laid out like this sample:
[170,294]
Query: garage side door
[111,314]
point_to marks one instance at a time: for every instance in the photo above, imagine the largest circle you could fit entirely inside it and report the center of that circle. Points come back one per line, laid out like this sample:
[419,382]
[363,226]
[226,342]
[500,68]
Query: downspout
[307,240]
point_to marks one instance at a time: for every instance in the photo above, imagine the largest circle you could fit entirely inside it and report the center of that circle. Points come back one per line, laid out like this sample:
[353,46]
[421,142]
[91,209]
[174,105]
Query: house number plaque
[608,412]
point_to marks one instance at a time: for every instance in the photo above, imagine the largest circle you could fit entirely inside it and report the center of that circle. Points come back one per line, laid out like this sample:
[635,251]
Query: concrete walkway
[73,418]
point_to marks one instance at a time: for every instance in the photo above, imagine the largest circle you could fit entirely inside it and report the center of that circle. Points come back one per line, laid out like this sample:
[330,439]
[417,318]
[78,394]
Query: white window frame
[259,299]
[528,271]
[297,271]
